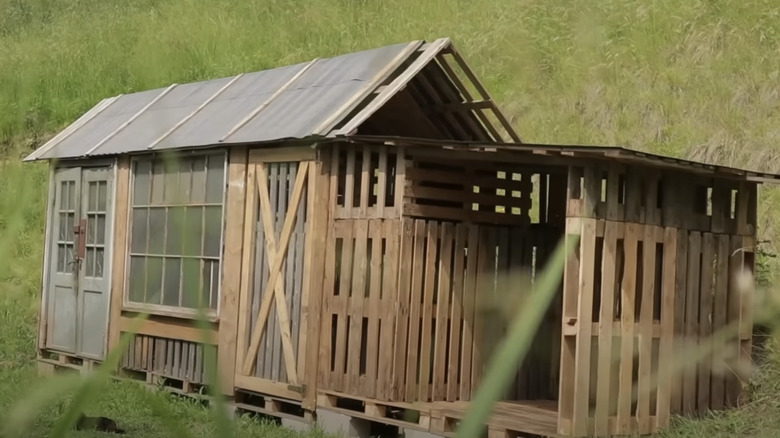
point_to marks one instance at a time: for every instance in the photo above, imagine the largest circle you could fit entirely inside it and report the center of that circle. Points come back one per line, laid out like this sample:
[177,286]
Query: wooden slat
[469,312]
[668,317]
[400,180]
[692,318]
[582,359]
[627,318]
[705,320]
[173,328]
[440,359]
[426,330]
[456,311]
[400,339]
[373,346]
[680,283]
[569,311]
[481,346]
[247,265]
[118,262]
[415,310]
[356,300]
[365,178]
[342,302]
[719,318]
[381,182]
[733,385]
[645,327]
[389,297]
[606,317]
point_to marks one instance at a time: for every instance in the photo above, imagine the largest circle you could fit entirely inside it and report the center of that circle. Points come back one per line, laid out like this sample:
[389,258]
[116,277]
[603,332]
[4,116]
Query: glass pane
[215,178]
[101,229]
[206,282]
[216,275]
[157,183]
[141,182]
[172,278]
[198,180]
[99,259]
[193,231]
[63,195]
[63,226]
[173,228]
[191,283]
[61,257]
[185,180]
[69,258]
[172,194]
[90,262]
[102,200]
[91,229]
[211,244]
[153,280]
[136,280]
[92,193]
[70,222]
[156,230]
[138,243]
[71,195]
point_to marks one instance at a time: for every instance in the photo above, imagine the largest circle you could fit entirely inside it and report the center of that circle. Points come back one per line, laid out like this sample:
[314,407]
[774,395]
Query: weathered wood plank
[692,318]
[456,312]
[388,298]
[357,297]
[668,318]
[719,318]
[118,262]
[733,385]
[342,302]
[469,312]
[647,302]
[680,296]
[415,310]
[402,340]
[373,347]
[440,359]
[705,320]
[627,318]
[569,310]
[426,330]
[606,317]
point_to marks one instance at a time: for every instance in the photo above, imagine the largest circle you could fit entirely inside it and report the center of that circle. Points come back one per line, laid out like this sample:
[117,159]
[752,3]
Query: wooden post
[121,219]
[231,273]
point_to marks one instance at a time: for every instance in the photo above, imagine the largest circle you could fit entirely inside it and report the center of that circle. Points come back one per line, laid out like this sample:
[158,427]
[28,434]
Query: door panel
[78,292]
[62,297]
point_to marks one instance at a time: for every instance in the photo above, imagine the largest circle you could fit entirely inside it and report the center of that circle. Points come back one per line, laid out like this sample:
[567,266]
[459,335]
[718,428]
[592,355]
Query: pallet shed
[345,222]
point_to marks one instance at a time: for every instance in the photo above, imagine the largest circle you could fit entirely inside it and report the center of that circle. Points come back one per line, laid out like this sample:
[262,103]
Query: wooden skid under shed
[409,416]
[264,404]
[508,419]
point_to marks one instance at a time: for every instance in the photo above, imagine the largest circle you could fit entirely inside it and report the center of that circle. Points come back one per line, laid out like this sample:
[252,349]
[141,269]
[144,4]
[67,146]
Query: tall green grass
[696,79]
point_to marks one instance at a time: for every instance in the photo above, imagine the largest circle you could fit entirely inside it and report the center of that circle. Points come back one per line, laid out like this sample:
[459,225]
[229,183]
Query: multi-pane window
[176,231]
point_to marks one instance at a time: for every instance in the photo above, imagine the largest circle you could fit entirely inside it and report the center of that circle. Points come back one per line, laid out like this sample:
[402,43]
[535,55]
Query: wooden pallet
[526,419]
[167,383]
[50,362]
[406,415]
[263,404]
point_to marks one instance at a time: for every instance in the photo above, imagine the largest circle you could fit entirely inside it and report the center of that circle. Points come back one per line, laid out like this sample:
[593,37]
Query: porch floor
[539,417]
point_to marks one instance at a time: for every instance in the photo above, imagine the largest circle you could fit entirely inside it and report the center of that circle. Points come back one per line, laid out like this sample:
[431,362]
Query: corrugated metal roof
[291,102]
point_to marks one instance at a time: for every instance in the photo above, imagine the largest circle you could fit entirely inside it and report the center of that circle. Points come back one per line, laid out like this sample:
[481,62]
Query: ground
[695,79]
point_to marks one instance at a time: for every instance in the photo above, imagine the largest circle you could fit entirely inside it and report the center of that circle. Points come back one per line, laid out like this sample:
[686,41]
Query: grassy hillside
[697,79]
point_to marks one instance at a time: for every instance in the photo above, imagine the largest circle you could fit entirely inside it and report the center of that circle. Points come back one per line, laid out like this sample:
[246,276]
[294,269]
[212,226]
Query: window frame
[211,315]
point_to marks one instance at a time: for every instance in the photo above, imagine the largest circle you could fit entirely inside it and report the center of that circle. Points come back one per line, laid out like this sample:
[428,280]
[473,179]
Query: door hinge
[301,389]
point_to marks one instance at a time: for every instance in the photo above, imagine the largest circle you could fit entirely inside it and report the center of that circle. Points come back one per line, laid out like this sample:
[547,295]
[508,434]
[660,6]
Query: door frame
[299,391]
[47,249]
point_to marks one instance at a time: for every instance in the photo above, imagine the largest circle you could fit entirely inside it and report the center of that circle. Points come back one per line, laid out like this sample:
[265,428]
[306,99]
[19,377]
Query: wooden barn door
[274,288]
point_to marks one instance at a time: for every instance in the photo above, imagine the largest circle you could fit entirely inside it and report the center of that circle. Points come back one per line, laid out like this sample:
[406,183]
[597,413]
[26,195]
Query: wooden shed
[345,222]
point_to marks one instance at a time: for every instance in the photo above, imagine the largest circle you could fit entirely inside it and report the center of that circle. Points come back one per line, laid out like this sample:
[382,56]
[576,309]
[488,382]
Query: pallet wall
[164,357]
[641,299]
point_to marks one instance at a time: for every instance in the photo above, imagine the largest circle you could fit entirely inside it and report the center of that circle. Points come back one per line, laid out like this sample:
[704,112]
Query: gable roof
[323,98]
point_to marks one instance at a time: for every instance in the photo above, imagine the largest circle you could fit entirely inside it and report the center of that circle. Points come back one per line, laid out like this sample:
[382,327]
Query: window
[176,232]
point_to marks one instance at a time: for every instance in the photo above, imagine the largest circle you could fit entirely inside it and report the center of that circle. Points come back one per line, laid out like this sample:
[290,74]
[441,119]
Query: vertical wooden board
[314,278]
[746,308]
[389,300]
[705,321]
[199,363]
[484,291]
[400,180]
[191,363]
[692,319]
[349,186]
[591,190]
[342,303]
[456,312]
[239,234]
[118,258]
[415,310]
[184,363]
[556,207]
[373,347]
[544,191]
[584,326]
[365,189]
[401,340]
[426,330]
[440,359]
[278,195]
[733,384]
[627,320]
[568,343]
[606,318]
[298,288]
[357,297]
[469,311]
[634,198]
[646,327]
[668,318]
[381,182]
[719,317]
[680,283]
[170,352]
[521,262]
[613,192]
[145,353]
[326,362]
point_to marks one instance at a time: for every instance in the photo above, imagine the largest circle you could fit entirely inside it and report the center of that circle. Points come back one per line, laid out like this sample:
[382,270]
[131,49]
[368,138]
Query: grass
[696,79]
